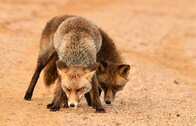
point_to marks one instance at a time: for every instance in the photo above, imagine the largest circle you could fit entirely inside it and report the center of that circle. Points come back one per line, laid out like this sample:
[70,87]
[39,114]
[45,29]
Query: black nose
[108,102]
[72,105]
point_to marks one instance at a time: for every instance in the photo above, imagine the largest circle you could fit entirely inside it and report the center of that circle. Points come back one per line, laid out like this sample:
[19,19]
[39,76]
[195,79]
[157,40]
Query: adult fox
[48,56]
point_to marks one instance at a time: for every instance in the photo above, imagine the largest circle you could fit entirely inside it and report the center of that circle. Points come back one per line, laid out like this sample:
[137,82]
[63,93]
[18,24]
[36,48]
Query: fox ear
[124,70]
[61,66]
[102,67]
[92,67]
[90,70]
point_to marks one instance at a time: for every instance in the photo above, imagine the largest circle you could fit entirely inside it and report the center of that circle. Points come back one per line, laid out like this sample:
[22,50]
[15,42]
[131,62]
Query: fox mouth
[108,101]
[74,104]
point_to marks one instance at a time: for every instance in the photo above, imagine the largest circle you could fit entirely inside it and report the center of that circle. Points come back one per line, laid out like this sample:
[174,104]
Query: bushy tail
[50,71]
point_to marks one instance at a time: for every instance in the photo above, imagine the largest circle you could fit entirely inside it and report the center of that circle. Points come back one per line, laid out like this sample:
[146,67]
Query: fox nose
[108,102]
[72,105]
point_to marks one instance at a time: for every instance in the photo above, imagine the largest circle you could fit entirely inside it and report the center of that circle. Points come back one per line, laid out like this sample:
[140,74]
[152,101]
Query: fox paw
[100,110]
[50,105]
[53,107]
[28,96]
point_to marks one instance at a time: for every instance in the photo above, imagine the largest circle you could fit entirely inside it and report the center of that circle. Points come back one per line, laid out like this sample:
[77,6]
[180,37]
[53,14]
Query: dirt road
[157,38]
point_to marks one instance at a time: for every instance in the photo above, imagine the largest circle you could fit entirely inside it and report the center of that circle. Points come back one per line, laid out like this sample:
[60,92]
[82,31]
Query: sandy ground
[157,38]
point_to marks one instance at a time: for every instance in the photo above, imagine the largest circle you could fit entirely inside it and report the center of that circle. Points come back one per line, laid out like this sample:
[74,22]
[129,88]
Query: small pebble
[178,115]
[176,82]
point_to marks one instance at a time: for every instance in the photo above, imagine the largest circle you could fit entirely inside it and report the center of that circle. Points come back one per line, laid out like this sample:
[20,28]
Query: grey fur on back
[77,41]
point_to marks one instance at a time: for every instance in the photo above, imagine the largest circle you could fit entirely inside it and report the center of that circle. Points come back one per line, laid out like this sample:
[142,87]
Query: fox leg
[94,94]
[88,98]
[64,99]
[43,58]
[60,97]
[100,91]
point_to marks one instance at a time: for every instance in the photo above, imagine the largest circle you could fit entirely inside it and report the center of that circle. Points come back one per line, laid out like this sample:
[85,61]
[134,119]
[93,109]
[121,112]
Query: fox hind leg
[43,58]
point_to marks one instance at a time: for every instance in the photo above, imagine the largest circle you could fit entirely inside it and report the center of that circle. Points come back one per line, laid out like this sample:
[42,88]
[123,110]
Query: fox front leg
[88,98]
[59,98]
[94,94]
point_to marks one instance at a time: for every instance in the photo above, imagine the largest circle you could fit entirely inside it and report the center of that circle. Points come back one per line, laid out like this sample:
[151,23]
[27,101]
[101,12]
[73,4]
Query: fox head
[76,81]
[112,78]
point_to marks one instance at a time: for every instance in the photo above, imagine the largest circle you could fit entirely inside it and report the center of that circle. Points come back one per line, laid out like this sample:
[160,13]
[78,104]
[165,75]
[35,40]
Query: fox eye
[68,89]
[103,86]
[79,89]
[117,88]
